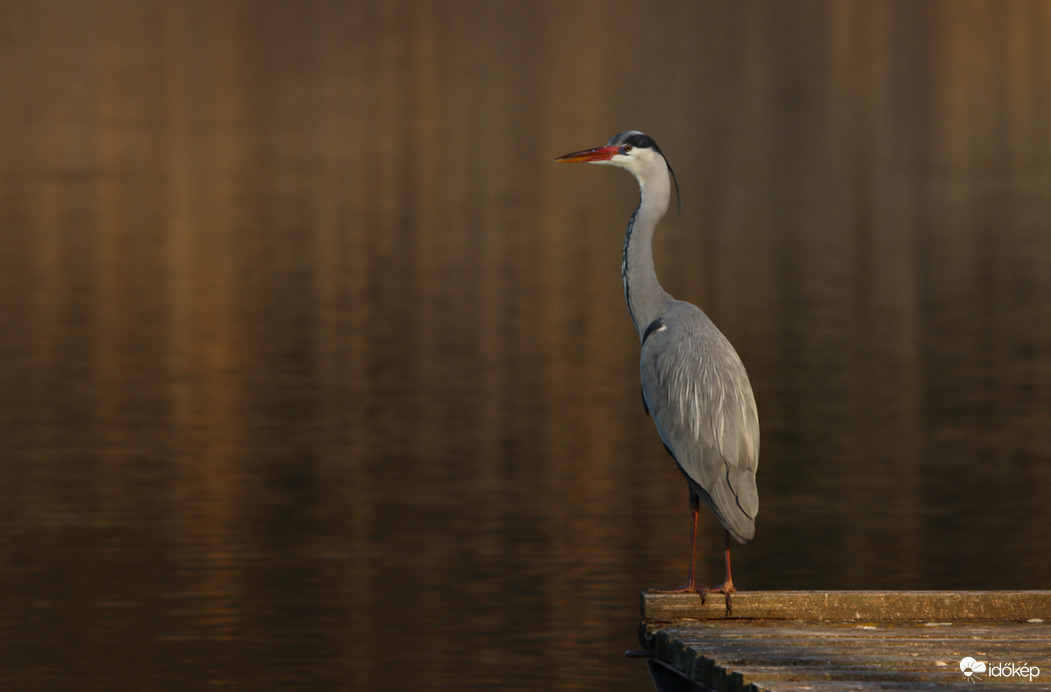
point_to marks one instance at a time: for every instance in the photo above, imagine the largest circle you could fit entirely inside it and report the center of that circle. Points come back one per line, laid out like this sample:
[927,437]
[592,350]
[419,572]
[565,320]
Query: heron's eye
[627,148]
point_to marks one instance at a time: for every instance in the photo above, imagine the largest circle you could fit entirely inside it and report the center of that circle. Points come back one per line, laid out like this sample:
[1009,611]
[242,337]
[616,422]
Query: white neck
[642,291]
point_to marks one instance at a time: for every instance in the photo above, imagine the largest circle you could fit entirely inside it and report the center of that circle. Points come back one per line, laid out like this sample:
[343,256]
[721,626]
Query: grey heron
[694,384]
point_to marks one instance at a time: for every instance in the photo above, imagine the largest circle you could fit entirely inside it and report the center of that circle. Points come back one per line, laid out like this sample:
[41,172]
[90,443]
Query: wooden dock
[849,640]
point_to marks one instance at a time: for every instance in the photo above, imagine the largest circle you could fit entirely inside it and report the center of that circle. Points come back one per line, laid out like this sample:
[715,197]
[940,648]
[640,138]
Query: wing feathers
[697,390]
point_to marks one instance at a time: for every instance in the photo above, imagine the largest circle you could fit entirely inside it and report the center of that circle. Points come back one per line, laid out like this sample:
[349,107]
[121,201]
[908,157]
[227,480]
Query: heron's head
[634,151]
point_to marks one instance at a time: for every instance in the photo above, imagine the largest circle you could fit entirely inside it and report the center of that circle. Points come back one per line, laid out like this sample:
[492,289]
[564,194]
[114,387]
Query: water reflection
[315,368]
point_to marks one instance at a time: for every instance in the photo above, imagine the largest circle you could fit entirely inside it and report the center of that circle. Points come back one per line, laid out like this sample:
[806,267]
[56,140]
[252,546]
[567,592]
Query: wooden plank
[738,655]
[875,606]
[858,640]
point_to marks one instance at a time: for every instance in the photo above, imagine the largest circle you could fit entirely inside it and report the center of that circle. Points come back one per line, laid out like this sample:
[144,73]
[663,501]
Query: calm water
[315,371]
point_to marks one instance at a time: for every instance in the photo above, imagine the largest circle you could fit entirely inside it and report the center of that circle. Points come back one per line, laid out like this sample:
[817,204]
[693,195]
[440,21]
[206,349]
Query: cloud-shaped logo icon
[969,666]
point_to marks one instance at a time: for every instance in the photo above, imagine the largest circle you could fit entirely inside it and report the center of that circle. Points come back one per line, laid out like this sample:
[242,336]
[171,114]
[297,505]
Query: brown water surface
[315,371]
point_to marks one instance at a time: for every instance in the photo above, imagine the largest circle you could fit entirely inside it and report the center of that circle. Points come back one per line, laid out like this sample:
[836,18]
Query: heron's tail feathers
[734,499]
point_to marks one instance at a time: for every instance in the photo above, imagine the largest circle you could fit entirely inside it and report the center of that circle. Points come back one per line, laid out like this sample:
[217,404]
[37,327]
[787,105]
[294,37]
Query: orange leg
[695,508]
[691,582]
[727,586]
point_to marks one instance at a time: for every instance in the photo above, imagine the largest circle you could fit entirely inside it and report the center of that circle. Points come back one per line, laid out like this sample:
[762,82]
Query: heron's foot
[681,589]
[725,589]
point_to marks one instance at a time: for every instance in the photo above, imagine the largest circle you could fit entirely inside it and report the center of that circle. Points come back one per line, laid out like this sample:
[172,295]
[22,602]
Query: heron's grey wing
[697,390]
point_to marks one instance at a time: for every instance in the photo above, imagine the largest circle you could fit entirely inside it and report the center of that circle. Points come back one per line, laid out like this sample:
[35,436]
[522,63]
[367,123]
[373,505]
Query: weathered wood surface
[857,640]
[853,605]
